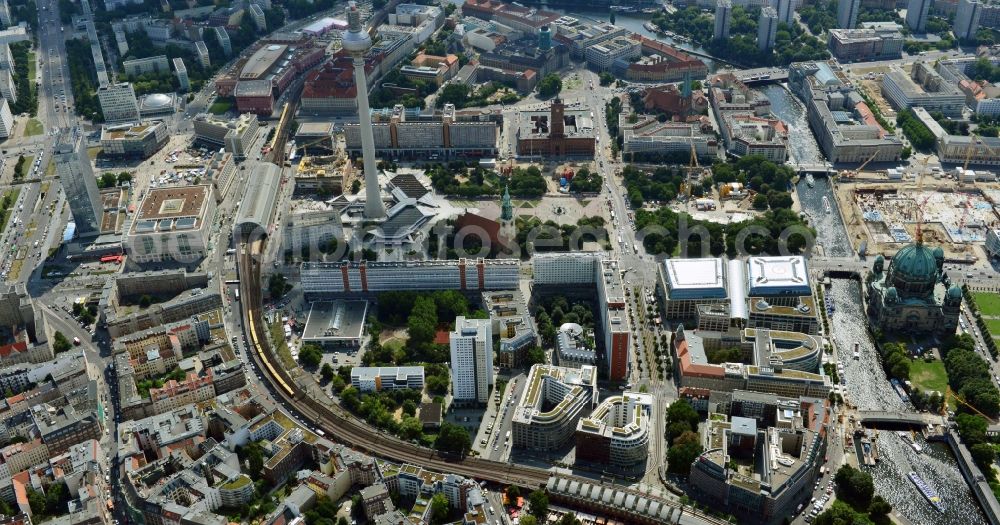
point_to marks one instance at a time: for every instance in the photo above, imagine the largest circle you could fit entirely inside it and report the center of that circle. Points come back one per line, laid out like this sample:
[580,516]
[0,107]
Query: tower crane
[948,394]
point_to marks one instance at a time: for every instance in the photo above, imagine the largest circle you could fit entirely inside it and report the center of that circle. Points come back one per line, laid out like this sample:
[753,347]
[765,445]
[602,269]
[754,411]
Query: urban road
[343,427]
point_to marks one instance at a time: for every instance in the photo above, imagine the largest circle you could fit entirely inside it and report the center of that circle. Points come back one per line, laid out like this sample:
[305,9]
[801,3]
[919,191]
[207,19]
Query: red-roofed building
[330,90]
[662,63]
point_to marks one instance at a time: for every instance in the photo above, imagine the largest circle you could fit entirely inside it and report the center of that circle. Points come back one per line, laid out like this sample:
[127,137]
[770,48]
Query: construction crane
[855,172]
[948,394]
[968,152]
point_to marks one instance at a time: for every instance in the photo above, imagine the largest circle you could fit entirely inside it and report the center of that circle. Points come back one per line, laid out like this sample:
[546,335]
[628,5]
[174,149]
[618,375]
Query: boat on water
[810,181]
[900,391]
[650,11]
[909,440]
[651,27]
[928,492]
[857,354]
[826,204]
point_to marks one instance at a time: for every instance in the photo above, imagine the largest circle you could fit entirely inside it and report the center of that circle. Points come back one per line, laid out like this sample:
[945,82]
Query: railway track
[343,427]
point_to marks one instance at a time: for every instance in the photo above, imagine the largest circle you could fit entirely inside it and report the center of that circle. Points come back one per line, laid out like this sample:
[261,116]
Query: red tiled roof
[11,349]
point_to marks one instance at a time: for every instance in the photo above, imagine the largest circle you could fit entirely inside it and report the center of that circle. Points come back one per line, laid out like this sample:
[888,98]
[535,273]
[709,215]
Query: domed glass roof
[156,101]
[915,263]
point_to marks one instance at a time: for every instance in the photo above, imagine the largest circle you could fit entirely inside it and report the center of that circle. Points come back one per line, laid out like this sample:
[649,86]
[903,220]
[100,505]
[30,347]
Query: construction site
[885,216]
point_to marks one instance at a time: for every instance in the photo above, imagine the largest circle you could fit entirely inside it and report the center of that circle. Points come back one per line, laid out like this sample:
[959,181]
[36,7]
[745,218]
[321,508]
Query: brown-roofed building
[172,223]
[430,415]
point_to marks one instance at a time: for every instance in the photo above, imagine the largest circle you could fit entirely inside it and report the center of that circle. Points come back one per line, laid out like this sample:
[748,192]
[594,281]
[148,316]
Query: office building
[222,37]
[118,102]
[5,18]
[767,28]
[6,119]
[143,66]
[556,270]
[365,277]
[647,137]
[616,433]
[993,242]
[845,127]
[847,13]
[377,379]
[761,455]
[745,122]
[602,56]
[402,133]
[471,346]
[723,19]
[554,399]
[767,372]
[910,295]
[138,141]
[172,223]
[916,15]
[80,184]
[967,19]
[182,74]
[512,325]
[863,45]
[429,68]
[235,135]
[923,87]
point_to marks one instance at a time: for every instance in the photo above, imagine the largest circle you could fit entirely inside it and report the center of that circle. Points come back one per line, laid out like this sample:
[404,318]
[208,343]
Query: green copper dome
[914,269]
[955,292]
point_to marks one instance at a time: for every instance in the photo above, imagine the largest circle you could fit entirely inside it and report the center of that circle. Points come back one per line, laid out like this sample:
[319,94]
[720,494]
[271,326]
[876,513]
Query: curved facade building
[554,399]
[616,432]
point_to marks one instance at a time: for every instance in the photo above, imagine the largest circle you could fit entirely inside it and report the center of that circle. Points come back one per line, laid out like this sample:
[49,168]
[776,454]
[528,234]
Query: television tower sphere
[356,41]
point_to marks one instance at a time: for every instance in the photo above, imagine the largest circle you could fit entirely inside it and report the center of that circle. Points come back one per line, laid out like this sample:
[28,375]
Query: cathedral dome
[955,292]
[914,269]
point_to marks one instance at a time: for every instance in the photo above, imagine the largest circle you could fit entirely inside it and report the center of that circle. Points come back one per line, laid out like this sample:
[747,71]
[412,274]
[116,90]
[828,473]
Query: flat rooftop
[173,201]
[335,320]
[778,276]
[122,132]
[695,278]
[576,122]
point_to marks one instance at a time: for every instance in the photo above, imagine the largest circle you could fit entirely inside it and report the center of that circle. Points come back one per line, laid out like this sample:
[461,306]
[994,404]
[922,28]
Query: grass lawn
[26,167]
[31,71]
[220,106]
[6,214]
[994,326]
[988,303]
[94,151]
[50,170]
[928,376]
[33,127]
[281,347]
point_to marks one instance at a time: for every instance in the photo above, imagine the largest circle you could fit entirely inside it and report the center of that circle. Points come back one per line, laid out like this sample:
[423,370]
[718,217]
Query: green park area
[33,127]
[988,303]
[221,106]
[994,327]
[929,376]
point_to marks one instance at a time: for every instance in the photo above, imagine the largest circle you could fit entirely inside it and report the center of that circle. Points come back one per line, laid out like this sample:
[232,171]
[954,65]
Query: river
[869,389]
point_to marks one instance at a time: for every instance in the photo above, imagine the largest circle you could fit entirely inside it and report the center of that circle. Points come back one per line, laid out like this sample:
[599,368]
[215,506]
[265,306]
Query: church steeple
[506,208]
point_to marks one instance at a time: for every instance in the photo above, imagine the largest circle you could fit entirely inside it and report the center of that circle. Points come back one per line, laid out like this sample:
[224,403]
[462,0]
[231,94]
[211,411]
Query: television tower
[357,42]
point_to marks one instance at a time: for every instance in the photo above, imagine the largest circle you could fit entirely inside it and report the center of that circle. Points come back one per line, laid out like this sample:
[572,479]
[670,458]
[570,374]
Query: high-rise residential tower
[916,15]
[967,19]
[847,13]
[767,28]
[357,42]
[723,19]
[471,360]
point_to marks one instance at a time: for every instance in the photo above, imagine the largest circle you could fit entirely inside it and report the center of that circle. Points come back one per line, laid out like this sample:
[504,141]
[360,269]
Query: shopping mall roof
[695,278]
[262,61]
[769,276]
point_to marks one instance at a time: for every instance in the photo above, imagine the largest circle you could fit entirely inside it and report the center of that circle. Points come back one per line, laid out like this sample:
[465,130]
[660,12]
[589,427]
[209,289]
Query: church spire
[506,209]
